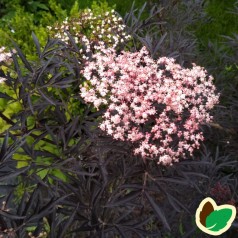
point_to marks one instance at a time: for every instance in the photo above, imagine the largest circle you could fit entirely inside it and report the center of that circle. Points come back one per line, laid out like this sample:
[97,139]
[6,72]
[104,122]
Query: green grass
[220,21]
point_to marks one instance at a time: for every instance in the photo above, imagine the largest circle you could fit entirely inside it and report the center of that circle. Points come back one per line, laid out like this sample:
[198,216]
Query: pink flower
[116,119]
[156,105]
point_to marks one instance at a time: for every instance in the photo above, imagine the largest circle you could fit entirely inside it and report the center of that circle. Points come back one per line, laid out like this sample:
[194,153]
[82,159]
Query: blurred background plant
[20,17]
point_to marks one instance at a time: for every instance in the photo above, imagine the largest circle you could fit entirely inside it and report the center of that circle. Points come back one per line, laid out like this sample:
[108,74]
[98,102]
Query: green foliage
[7,7]
[22,23]
[123,6]
[219,21]
[20,18]
[74,10]
[68,4]
[101,7]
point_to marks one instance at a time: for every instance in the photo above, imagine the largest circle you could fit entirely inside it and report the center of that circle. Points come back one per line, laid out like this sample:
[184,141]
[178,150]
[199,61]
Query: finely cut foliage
[156,105]
[61,176]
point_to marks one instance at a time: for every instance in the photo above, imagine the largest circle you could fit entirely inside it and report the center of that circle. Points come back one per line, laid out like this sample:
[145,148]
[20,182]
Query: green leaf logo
[218,219]
[213,219]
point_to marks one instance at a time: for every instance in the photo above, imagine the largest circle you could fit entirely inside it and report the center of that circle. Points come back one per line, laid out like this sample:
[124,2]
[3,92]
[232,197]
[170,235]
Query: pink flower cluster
[156,105]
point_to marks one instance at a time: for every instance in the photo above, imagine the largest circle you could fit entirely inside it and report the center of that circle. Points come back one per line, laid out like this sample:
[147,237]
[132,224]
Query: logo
[213,219]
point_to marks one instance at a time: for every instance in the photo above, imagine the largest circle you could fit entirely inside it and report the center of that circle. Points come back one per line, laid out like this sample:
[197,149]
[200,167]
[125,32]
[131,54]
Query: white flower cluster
[107,27]
[4,56]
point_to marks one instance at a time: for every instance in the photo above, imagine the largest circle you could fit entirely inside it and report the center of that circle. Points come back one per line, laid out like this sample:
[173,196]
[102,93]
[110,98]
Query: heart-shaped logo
[212,219]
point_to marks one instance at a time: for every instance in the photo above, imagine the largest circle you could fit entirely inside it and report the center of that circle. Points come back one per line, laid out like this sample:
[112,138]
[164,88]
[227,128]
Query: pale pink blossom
[156,105]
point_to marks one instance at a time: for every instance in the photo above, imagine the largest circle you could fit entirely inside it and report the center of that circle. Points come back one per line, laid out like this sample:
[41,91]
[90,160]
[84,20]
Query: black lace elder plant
[42,122]
[64,178]
[166,28]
